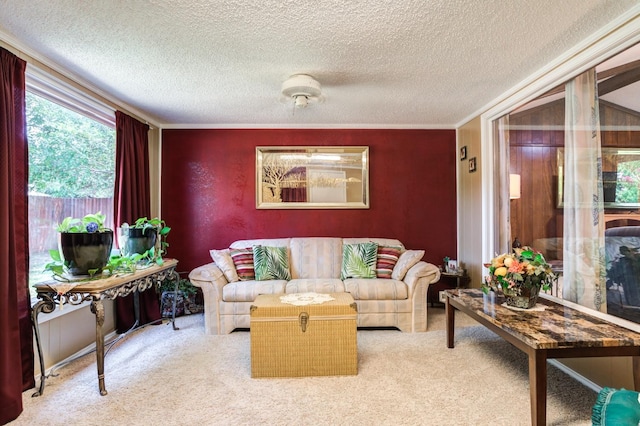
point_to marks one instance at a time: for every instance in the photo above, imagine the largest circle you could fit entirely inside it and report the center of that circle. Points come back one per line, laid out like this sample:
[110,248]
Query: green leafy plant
[57,265]
[161,229]
[184,285]
[90,223]
[120,264]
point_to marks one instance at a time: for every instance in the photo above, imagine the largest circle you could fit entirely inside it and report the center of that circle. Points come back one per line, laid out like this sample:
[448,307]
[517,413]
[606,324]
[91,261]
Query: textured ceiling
[422,63]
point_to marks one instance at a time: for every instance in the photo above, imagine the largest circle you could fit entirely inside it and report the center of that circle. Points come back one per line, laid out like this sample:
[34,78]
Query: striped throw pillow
[243,261]
[387,259]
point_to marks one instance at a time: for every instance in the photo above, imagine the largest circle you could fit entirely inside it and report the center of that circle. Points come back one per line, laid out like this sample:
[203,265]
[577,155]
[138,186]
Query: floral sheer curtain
[503,237]
[584,271]
[16,337]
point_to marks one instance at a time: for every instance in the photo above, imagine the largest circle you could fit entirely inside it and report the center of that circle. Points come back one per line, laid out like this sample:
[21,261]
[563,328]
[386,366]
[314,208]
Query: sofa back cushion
[378,241]
[273,242]
[315,257]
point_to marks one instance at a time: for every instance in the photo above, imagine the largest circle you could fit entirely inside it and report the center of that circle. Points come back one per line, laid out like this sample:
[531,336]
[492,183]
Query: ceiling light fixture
[303,89]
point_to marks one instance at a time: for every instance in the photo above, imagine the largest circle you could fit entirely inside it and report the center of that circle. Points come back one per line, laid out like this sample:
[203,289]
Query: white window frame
[54,89]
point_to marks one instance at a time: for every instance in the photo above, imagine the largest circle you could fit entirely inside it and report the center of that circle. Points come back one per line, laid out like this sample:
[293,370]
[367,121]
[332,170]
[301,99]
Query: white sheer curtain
[583,242]
[501,177]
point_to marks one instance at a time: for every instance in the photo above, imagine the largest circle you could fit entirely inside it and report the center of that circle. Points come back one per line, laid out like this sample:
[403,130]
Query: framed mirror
[620,178]
[312,177]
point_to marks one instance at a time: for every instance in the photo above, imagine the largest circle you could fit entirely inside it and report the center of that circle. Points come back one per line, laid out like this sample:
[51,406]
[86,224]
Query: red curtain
[132,201]
[16,338]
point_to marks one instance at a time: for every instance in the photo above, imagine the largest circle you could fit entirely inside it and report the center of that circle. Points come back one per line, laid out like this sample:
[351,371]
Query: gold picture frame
[312,177]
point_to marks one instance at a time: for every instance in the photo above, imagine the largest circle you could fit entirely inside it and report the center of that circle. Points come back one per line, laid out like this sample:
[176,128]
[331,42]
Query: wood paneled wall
[534,138]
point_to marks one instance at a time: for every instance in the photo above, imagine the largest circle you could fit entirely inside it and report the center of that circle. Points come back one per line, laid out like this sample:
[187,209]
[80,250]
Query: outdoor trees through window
[71,173]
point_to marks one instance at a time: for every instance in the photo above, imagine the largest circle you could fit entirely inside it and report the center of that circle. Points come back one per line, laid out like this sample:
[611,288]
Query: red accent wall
[208,190]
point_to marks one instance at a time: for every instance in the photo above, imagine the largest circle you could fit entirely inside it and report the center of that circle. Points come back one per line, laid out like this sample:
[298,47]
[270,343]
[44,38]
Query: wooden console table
[51,294]
[557,332]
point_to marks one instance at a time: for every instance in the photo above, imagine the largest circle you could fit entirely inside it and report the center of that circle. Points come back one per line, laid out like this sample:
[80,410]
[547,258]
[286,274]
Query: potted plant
[84,246]
[185,297]
[146,237]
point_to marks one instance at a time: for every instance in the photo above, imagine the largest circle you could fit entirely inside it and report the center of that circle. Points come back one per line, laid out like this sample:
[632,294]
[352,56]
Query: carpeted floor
[158,376]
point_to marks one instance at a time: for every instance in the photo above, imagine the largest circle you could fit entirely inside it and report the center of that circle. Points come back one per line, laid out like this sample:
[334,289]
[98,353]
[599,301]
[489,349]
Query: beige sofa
[315,266]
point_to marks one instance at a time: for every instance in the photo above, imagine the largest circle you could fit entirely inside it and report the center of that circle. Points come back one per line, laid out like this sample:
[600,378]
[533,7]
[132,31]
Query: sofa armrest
[208,273]
[422,270]
[418,279]
[211,280]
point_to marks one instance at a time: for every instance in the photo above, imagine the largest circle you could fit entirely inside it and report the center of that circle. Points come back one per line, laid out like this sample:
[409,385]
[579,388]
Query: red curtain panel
[131,201]
[16,335]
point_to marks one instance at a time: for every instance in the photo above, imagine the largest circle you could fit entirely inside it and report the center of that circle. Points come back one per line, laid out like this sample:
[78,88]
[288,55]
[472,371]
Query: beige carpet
[158,376]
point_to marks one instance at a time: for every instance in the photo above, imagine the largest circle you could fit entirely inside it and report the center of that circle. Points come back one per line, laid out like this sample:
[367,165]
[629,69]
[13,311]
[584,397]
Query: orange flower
[516,267]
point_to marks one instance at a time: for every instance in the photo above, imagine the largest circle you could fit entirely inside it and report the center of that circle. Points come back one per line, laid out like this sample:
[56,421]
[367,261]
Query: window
[537,152]
[71,165]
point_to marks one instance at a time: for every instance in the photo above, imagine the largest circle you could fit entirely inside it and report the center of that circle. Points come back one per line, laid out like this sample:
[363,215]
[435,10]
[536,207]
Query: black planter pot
[83,252]
[136,240]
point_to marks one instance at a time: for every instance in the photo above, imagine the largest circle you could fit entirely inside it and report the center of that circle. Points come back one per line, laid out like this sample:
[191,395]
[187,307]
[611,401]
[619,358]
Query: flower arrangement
[524,268]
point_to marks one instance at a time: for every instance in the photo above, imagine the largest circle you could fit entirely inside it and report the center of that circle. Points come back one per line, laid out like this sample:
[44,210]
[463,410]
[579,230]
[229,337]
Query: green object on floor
[619,407]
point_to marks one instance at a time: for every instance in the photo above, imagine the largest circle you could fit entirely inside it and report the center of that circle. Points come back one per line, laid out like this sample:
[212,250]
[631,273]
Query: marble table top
[552,326]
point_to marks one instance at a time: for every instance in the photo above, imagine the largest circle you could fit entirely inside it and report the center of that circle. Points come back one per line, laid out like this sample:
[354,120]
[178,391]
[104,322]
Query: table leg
[98,309]
[636,372]
[176,277]
[538,386]
[36,330]
[450,312]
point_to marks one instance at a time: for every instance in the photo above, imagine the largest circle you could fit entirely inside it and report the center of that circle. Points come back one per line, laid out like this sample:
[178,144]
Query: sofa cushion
[376,289]
[406,260]
[387,259]
[223,260]
[271,263]
[243,261]
[246,291]
[359,260]
[315,285]
[315,257]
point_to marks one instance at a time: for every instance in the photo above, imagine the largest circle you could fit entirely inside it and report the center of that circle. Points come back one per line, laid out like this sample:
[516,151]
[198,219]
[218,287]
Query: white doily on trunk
[302,299]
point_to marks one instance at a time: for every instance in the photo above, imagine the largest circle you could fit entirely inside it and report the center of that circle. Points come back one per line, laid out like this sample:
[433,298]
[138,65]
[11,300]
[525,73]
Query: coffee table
[559,331]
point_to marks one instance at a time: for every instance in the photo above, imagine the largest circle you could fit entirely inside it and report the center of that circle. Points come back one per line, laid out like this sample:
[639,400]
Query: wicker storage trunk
[311,340]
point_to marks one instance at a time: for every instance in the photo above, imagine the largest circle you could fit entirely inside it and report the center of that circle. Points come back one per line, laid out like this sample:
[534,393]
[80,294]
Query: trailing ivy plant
[184,285]
[154,254]
[118,263]
[93,222]
[90,223]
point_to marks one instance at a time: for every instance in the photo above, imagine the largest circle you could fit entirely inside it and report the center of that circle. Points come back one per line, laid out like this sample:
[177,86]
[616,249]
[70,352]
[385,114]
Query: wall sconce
[514,187]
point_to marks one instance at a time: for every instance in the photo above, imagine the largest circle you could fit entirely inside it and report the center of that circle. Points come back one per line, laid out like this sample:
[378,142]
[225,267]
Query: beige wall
[470,202]
[64,333]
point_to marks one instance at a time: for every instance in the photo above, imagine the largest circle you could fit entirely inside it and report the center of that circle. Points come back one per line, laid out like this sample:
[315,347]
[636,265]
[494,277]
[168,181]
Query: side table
[447,281]
[52,293]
